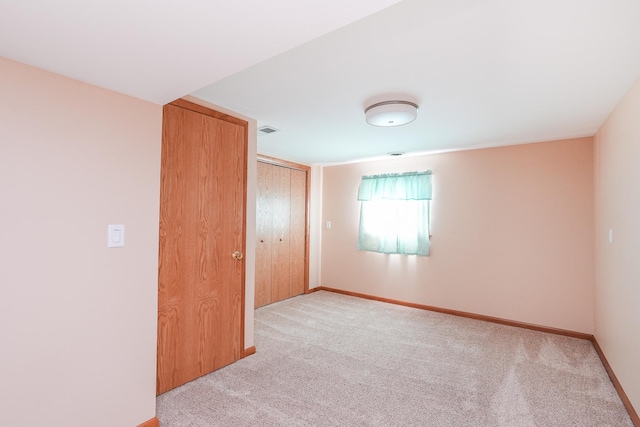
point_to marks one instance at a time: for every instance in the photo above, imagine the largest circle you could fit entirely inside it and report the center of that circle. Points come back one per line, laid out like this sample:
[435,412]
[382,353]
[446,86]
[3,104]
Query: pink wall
[617,201]
[512,234]
[77,320]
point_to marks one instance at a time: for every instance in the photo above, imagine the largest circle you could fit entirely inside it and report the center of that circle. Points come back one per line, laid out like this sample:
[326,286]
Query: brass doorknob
[237,255]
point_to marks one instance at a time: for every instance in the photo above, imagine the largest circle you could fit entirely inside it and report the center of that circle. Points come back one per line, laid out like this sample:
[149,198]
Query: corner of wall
[315,234]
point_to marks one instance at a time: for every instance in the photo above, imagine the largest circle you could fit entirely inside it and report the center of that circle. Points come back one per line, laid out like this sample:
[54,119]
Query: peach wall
[512,234]
[617,201]
[77,320]
[315,232]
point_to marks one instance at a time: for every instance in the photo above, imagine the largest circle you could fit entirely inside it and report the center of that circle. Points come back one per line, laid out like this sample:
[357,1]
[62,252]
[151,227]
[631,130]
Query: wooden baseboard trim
[249,351]
[153,422]
[491,319]
[312,290]
[612,376]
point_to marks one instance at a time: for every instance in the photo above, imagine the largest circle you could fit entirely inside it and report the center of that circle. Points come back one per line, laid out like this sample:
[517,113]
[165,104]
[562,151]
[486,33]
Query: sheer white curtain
[394,213]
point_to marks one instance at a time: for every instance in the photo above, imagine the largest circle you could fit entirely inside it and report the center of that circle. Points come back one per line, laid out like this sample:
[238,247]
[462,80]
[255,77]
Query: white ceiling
[161,50]
[484,72]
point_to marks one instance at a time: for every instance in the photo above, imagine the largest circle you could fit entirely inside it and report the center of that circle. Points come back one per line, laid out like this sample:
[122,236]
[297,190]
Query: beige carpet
[326,359]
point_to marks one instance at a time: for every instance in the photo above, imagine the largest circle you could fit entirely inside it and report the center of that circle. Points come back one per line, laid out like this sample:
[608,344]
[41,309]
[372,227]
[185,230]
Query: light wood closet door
[297,231]
[264,249]
[281,248]
[202,223]
[280,212]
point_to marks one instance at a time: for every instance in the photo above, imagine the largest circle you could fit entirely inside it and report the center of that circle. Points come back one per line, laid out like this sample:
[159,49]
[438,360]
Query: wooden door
[264,234]
[297,231]
[202,223]
[282,231]
[280,217]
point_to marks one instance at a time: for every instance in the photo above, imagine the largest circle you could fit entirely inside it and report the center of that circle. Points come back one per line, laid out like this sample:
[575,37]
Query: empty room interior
[193,189]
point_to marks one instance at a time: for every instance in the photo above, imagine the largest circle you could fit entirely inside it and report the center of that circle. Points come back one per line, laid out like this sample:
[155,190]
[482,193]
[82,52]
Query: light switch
[611,235]
[115,237]
[328,224]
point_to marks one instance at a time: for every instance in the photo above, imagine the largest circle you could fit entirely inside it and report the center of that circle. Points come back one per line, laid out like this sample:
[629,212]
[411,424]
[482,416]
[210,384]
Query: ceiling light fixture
[391,113]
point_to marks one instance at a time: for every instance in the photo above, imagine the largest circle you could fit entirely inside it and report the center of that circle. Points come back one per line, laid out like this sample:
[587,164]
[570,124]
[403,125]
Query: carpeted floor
[327,359]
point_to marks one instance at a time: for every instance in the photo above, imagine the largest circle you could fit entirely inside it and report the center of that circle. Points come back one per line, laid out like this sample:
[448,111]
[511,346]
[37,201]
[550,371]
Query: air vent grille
[267,129]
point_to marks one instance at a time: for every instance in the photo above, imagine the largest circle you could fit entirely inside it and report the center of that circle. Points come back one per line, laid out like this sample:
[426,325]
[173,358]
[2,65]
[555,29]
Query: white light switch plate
[115,237]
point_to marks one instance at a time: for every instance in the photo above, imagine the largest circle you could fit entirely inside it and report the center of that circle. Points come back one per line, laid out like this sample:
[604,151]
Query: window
[394,213]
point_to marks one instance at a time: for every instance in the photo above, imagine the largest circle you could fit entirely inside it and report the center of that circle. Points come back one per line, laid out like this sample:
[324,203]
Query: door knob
[237,255]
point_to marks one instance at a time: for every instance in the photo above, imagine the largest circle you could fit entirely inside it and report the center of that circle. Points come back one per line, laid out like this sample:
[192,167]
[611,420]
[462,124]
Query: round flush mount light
[391,113]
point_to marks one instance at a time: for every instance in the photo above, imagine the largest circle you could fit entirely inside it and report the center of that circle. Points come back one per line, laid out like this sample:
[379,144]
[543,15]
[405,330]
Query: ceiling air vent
[267,129]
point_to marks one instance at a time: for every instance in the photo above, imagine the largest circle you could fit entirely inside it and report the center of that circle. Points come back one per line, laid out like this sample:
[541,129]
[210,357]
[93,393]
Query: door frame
[307,227]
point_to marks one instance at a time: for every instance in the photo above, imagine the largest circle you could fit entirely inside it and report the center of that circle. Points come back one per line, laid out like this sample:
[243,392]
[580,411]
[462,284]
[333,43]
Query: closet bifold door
[280,234]
[263,234]
[202,239]
[297,231]
[282,230]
